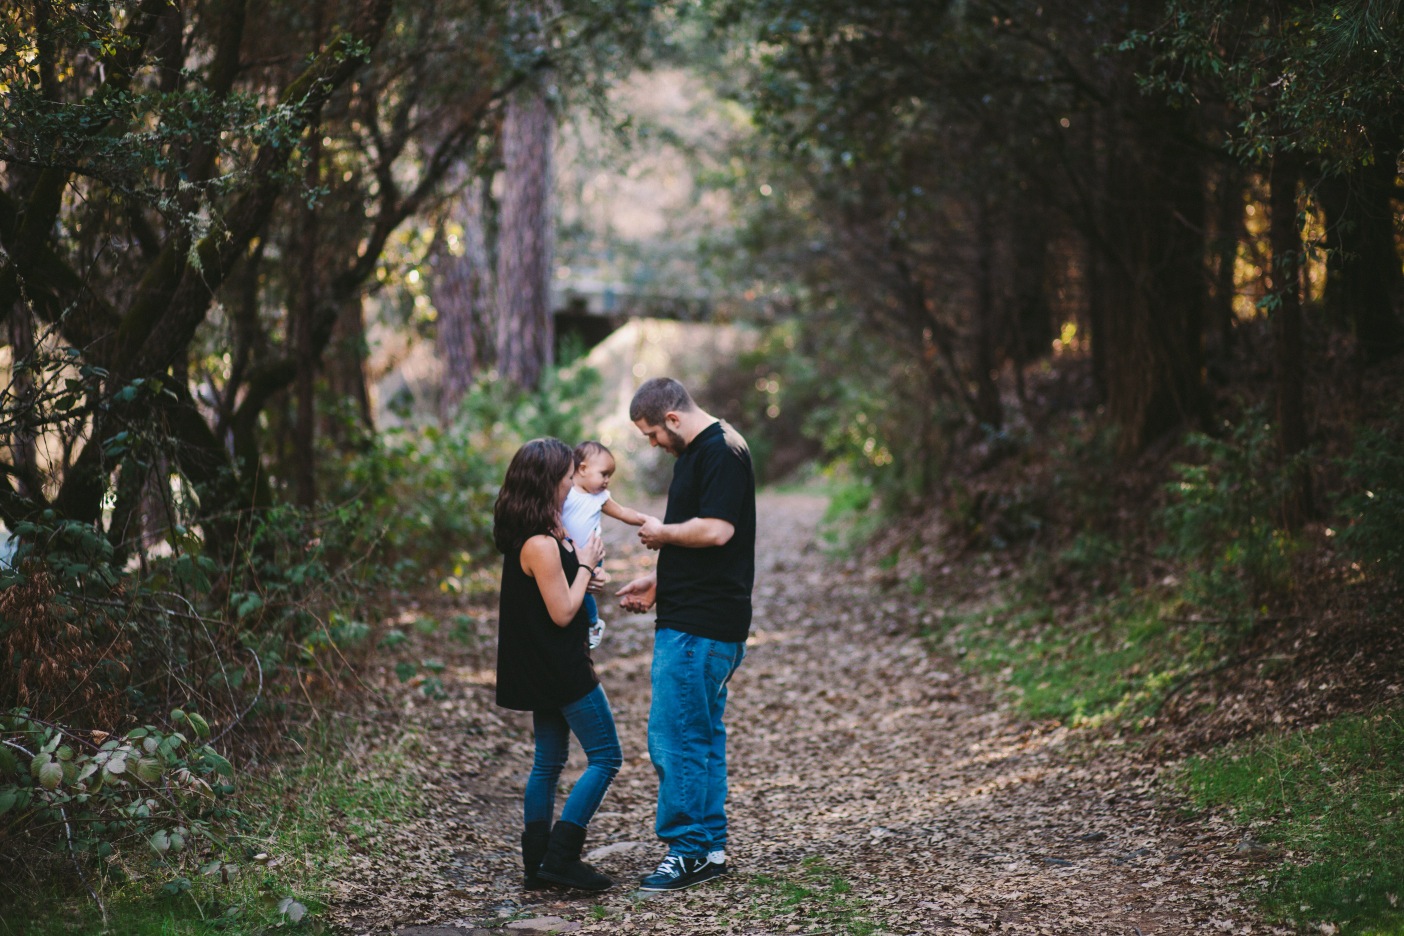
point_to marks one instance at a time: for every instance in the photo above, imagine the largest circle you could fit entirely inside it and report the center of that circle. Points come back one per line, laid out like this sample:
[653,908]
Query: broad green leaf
[197,721]
[148,769]
[220,765]
[291,909]
[8,798]
[37,764]
[161,841]
[50,775]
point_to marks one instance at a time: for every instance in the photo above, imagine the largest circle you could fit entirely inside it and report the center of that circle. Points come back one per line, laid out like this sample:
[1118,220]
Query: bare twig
[257,694]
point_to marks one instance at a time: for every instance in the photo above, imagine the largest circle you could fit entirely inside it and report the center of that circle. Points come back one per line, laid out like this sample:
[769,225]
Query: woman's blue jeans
[591,721]
[687,738]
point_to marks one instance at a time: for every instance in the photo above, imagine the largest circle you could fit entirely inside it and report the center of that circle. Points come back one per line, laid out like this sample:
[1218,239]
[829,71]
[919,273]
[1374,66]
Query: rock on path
[874,789]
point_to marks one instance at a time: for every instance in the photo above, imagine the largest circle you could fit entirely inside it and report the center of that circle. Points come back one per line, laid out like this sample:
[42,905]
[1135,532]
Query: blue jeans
[592,609]
[687,738]
[592,722]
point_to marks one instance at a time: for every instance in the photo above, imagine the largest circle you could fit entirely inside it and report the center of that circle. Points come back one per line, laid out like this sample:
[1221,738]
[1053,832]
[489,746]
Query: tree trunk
[462,292]
[1362,264]
[1289,355]
[988,408]
[346,368]
[1153,236]
[305,311]
[22,443]
[1228,229]
[526,336]
[1033,313]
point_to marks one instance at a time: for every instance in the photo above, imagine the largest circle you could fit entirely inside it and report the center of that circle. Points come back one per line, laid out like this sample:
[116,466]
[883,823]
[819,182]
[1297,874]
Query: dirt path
[874,790]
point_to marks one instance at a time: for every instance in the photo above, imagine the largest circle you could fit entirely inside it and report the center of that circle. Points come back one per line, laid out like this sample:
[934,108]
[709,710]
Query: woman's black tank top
[539,665]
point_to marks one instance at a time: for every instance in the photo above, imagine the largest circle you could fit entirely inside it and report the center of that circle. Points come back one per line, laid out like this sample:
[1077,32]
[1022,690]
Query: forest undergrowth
[1166,607]
[1158,608]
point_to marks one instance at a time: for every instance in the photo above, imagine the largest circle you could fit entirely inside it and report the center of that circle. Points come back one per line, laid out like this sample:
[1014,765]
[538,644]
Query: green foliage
[286,612]
[1316,78]
[853,515]
[1223,519]
[419,498]
[1374,508]
[150,795]
[1328,803]
[801,398]
[305,820]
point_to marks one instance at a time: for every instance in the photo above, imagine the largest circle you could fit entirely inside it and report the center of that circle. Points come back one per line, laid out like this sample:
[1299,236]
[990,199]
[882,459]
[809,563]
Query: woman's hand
[592,553]
[597,582]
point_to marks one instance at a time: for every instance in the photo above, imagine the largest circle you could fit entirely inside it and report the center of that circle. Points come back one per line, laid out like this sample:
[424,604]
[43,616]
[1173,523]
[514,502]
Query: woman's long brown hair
[526,504]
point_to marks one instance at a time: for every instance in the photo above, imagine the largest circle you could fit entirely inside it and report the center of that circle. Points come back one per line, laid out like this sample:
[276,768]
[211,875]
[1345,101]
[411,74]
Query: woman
[543,662]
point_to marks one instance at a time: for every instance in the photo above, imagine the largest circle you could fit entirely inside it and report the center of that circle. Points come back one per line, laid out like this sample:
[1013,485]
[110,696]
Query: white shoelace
[672,866]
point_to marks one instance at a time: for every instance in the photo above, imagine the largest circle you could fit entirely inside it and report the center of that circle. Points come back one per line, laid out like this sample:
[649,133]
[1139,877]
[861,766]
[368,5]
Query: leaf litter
[875,789]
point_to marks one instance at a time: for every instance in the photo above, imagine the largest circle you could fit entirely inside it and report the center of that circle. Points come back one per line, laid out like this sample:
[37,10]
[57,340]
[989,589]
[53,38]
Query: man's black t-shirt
[707,591]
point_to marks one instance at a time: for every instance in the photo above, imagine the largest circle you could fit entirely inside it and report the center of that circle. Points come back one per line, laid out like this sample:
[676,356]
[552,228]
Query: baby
[588,498]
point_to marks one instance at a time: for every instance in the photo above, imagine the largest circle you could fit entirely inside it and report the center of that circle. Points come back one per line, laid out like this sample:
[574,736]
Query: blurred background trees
[986,177]
[962,234]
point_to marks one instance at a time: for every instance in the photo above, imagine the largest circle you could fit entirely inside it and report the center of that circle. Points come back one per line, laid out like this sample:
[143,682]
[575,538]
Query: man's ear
[672,420]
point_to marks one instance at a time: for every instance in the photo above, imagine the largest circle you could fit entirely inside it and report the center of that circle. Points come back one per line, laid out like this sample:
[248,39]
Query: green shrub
[417,500]
[146,795]
[1374,508]
[95,635]
[799,396]
[1224,518]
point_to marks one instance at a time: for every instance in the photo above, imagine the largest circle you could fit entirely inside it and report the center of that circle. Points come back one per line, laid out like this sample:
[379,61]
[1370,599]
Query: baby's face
[593,476]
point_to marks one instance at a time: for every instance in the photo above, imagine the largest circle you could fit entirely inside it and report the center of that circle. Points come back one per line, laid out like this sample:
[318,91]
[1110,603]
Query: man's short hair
[657,398]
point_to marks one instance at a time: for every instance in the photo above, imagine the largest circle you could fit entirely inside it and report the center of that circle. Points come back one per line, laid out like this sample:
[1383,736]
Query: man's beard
[675,444]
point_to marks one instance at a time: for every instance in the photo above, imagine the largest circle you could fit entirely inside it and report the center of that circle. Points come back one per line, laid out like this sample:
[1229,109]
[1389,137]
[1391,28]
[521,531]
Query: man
[706,546]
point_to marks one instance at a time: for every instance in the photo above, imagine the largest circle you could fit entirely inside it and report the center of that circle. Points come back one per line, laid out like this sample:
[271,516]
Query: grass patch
[300,817]
[1331,801]
[1114,664]
[815,898]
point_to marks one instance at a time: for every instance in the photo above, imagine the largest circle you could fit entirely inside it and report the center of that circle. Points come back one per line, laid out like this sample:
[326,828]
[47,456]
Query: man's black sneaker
[677,872]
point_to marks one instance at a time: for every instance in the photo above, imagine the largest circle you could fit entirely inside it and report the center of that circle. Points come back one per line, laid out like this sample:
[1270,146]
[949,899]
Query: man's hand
[638,596]
[697,533]
[651,533]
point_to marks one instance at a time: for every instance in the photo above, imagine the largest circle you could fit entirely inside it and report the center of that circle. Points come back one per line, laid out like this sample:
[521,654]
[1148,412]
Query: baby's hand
[650,534]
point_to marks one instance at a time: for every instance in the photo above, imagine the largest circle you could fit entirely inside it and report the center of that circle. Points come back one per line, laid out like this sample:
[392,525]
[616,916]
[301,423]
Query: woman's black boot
[535,838]
[562,864]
